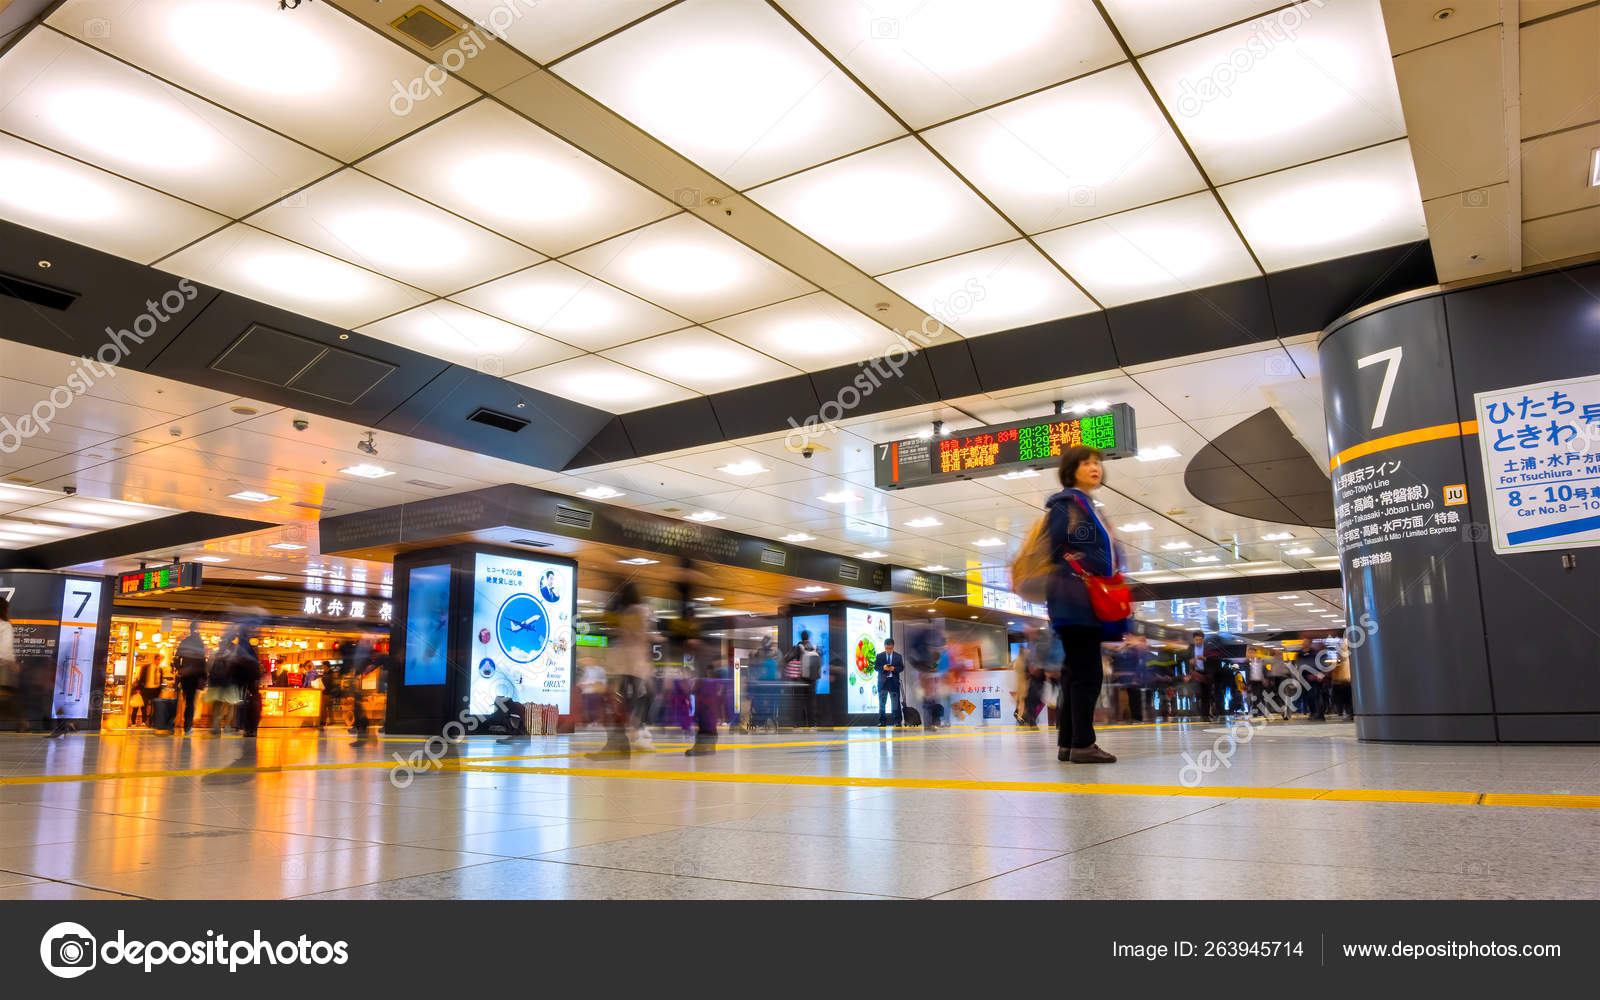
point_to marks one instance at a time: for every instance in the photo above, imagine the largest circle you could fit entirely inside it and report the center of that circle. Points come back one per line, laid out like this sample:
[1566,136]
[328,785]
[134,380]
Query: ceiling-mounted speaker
[424,27]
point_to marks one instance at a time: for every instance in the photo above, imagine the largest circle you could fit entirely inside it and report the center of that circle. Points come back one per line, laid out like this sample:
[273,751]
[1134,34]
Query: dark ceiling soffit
[1258,310]
[1257,469]
[177,531]
[1319,579]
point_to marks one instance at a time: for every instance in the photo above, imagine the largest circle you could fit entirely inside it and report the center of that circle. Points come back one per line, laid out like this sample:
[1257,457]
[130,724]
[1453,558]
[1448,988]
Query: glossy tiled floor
[304,816]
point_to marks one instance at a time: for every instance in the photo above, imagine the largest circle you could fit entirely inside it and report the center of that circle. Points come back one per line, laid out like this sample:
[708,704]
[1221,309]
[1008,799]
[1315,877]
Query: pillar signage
[1541,463]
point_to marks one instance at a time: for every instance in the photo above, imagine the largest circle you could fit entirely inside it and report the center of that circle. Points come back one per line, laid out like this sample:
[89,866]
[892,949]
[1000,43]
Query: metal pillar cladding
[1464,442]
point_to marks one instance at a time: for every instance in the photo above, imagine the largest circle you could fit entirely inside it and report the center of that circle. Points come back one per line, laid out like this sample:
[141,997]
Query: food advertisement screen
[865,633]
[521,633]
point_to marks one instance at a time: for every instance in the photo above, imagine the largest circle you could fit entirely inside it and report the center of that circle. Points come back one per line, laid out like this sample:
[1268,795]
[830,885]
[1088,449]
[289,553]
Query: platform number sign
[1391,370]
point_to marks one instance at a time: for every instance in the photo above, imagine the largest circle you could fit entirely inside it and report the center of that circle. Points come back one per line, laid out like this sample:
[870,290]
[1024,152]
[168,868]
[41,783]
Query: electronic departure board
[159,580]
[984,451]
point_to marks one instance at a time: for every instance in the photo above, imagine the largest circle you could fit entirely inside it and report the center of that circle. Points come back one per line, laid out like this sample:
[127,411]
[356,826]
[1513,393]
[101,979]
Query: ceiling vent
[774,557]
[574,517]
[424,27]
[263,354]
[425,484]
[34,293]
[494,418]
[532,542]
[850,572]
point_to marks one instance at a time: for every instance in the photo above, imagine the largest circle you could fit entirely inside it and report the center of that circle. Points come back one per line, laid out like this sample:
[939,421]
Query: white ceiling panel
[280,273]
[986,291]
[548,29]
[469,338]
[732,86]
[316,74]
[1163,249]
[71,98]
[1088,148]
[571,307]
[885,208]
[931,60]
[1249,102]
[367,222]
[493,166]
[60,196]
[1332,208]
[685,265]
[811,333]
[700,360]
[1151,24]
[603,384]
[1218,387]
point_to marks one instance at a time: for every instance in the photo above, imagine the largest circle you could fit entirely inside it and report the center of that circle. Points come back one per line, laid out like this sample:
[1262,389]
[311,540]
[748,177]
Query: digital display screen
[160,579]
[427,624]
[817,625]
[521,633]
[1004,447]
[865,632]
[80,622]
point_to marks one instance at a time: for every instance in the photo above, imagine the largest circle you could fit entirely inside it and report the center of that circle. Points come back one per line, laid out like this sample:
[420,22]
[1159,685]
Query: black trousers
[190,686]
[1081,678]
[884,693]
[247,715]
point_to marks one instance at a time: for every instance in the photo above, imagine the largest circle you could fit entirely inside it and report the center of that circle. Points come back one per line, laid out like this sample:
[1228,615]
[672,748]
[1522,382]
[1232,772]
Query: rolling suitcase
[163,714]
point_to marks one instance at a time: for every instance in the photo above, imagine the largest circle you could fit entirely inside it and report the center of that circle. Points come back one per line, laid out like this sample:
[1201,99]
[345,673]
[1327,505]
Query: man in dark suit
[890,665]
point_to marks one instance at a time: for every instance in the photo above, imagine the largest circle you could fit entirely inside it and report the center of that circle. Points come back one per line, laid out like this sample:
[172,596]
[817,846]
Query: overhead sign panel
[163,579]
[1001,448]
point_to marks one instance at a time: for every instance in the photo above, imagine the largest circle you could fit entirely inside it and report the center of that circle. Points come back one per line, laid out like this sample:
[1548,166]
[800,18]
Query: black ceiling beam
[175,532]
[1235,586]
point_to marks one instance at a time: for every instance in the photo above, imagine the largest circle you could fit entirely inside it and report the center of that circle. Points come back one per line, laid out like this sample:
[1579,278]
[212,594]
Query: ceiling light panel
[700,360]
[273,270]
[60,196]
[1256,97]
[1078,151]
[886,208]
[546,30]
[469,338]
[316,75]
[570,306]
[498,169]
[931,60]
[812,333]
[732,86]
[94,108]
[603,384]
[688,266]
[1158,250]
[367,222]
[1151,24]
[985,291]
[1332,208]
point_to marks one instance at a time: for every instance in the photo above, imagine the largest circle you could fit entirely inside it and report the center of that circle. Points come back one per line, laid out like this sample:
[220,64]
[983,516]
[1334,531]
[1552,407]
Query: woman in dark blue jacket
[1076,532]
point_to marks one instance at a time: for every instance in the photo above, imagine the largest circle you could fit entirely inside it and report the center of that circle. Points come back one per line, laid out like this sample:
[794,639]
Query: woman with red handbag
[1088,600]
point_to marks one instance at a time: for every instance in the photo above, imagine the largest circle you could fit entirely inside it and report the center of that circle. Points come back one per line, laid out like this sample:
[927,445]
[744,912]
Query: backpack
[1031,569]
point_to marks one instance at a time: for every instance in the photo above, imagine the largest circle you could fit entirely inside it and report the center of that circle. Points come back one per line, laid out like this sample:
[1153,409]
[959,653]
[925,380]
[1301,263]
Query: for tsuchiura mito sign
[1541,464]
[1025,444]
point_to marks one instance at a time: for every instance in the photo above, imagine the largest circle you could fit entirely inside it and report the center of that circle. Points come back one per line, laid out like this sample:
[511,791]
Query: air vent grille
[574,517]
[494,418]
[532,542]
[425,27]
[849,571]
[773,557]
[36,294]
[425,484]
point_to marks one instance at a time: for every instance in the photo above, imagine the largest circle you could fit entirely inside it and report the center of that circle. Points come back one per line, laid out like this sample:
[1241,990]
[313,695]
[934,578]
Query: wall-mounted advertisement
[80,619]
[521,632]
[865,633]
[817,625]
[427,624]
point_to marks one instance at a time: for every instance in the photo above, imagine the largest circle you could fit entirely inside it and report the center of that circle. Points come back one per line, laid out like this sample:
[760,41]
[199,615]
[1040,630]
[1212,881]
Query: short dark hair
[1198,633]
[1073,457]
[805,634]
[887,643]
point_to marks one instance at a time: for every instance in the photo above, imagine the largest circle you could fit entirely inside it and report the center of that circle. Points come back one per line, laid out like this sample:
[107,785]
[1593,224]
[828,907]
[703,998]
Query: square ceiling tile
[886,208]
[931,60]
[571,307]
[1332,208]
[700,360]
[316,75]
[283,274]
[1158,250]
[469,338]
[60,196]
[812,332]
[688,266]
[1152,24]
[732,86]
[548,29]
[498,169]
[1249,100]
[88,105]
[1084,149]
[365,221]
[990,290]
[602,384]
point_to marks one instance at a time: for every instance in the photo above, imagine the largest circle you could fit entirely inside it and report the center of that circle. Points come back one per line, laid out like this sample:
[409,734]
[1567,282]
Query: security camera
[69,490]
[807,451]
[301,423]
[365,445]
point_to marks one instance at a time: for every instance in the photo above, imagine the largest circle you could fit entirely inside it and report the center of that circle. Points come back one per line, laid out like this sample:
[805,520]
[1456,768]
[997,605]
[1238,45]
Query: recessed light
[1308,604]
[749,467]
[638,561]
[243,411]
[1021,474]
[366,471]
[254,496]
[1135,526]
[708,600]
[1277,536]
[271,576]
[798,536]
[925,522]
[1157,453]
[1175,546]
[286,546]
[1287,597]
[812,590]
[1207,559]
[973,617]
[871,554]
[703,516]
[209,559]
[838,496]
[600,493]
[1594,167]
[1301,551]
[935,568]
[988,543]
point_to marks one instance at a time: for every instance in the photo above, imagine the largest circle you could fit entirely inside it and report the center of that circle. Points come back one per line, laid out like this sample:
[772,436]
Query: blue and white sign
[521,632]
[1541,463]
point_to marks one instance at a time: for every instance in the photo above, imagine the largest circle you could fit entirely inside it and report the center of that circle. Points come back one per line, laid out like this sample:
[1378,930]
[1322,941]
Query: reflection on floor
[1298,811]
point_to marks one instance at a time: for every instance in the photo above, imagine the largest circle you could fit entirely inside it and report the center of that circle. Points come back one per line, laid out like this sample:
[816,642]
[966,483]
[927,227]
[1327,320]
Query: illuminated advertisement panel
[521,632]
[865,633]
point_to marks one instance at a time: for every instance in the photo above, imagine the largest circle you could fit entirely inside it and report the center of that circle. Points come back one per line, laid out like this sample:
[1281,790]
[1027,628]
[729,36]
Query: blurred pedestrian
[631,669]
[247,677]
[190,662]
[222,691]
